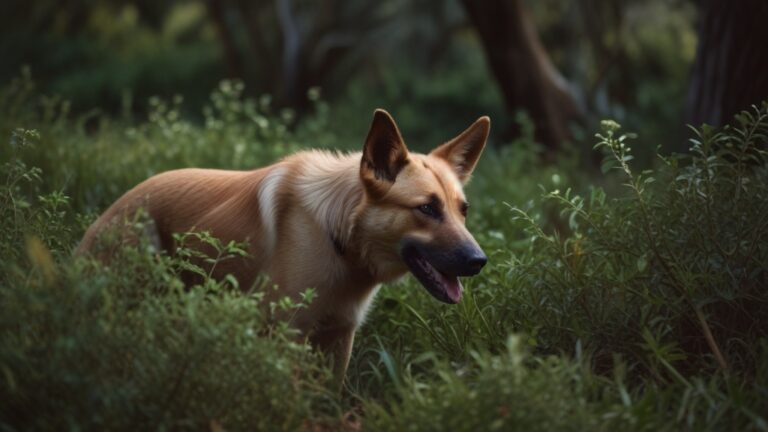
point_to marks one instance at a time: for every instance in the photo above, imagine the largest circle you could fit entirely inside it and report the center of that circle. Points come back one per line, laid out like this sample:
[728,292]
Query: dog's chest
[359,310]
[333,309]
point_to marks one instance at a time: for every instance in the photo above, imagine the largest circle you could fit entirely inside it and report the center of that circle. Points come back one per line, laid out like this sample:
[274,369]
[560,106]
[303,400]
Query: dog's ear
[384,153]
[463,152]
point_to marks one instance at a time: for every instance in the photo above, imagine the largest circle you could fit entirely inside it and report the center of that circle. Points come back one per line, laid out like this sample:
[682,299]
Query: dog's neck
[332,193]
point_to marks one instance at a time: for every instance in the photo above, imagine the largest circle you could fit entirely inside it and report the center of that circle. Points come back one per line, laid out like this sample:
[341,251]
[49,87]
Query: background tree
[286,47]
[526,76]
[730,72]
[430,63]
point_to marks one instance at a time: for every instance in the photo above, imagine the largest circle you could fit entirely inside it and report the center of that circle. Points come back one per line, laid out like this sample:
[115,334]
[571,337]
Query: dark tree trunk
[292,91]
[522,68]
[295,50]
[731,68]
[231,53]
[290,46]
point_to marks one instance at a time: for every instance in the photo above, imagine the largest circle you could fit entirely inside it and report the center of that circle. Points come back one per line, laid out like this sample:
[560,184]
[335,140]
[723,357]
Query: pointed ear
[463,152]
[384,153]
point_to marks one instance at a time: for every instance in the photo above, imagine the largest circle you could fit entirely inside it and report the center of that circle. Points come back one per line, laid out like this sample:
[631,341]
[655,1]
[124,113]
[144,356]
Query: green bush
[497,393]
[664,282]
[81,352]
[515,391]
[83,346]
[674,272]
[639,304]
[93,159]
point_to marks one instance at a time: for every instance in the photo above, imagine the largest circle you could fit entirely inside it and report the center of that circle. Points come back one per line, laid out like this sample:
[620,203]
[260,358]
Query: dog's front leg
[337,345]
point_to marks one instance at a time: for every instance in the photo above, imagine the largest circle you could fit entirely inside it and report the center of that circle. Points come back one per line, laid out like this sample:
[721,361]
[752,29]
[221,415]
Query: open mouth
[443,287]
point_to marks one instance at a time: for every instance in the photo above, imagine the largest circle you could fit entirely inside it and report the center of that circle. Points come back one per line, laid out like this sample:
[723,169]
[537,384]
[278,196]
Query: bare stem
[711,340]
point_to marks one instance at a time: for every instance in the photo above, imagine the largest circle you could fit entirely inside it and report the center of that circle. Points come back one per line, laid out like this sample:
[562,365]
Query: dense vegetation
[632,300]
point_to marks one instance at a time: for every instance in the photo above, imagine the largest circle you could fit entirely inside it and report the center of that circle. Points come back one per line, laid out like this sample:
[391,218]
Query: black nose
[469,261]
[476,263]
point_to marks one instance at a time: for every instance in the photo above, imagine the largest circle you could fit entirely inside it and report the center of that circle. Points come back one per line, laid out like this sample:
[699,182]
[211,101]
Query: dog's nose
[471,261]
[476,263]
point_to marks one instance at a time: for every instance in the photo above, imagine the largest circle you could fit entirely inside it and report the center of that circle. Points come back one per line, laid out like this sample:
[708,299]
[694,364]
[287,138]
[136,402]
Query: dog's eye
[464,208]
[429,210]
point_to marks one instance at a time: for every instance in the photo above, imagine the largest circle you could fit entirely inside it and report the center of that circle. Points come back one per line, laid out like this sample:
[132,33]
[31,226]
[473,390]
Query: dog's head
[416,208]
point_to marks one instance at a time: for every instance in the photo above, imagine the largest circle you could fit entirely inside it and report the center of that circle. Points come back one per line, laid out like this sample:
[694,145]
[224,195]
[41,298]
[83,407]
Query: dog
[342,224]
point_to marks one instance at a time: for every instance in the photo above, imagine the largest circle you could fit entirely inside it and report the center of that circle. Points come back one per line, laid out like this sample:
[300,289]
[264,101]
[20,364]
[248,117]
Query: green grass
[632,300]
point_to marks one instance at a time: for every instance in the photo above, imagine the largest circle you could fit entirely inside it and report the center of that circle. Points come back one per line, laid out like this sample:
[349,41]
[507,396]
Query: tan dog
[341,224]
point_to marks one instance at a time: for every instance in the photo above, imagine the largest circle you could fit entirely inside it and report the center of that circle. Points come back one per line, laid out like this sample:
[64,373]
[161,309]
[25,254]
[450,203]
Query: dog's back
[176,202]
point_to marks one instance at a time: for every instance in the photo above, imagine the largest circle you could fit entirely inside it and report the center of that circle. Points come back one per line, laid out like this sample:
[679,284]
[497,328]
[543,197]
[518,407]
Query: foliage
[660,287]
[127,346]
[95,158]
[500,393]
[627,60]
[637,305]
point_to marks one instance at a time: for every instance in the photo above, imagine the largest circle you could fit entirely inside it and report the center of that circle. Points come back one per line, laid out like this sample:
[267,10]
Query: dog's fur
[341,224]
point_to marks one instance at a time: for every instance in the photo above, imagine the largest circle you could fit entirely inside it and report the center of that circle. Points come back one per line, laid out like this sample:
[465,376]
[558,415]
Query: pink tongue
[452,286]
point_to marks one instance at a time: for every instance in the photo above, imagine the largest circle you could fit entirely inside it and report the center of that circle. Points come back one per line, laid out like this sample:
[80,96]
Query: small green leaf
[642,263]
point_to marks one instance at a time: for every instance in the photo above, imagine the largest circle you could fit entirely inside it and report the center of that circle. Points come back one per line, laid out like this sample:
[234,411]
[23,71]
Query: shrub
[672,274]
[639,304]
[93,159]
[84,346]
[660,287]
[498,392]
[516,391]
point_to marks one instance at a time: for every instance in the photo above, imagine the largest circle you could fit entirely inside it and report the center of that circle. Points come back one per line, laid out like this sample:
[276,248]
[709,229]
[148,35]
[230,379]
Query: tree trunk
[522,68]
[231,54]
[730,72]
[291,92]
